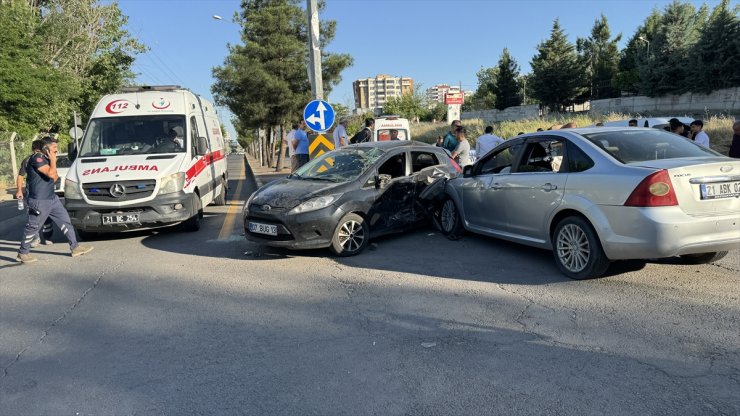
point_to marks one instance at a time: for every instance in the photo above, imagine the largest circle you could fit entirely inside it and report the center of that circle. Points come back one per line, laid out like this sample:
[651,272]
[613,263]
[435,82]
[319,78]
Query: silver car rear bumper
[642,233]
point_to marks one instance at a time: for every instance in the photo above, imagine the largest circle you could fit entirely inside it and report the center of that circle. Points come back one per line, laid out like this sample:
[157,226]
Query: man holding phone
[43,203]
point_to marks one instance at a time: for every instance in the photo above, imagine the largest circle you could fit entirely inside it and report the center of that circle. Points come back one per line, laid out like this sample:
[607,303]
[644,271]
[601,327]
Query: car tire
[220,200]
[577,249]
[704,258]
[192,224]
[350,237]
[449,219]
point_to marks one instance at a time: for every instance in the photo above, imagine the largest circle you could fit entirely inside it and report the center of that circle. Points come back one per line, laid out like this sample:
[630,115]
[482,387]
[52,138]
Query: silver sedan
[595,195]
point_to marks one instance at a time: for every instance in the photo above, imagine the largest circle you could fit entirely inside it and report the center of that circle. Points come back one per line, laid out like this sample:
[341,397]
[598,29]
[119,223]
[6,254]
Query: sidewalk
[264,174]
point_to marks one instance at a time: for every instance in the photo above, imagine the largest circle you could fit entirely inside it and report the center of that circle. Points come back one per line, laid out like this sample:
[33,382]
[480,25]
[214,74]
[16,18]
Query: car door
[535,187]
[483,208]
[393,209]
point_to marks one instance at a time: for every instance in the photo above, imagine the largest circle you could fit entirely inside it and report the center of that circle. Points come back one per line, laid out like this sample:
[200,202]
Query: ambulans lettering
[106,169]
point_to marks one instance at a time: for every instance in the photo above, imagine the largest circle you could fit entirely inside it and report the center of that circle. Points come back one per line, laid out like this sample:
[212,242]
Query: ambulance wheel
[221,198]
[192,224]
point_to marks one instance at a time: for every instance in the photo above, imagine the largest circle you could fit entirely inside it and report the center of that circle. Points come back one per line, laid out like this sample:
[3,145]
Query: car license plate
[720,190]
[120,219]
[258,228]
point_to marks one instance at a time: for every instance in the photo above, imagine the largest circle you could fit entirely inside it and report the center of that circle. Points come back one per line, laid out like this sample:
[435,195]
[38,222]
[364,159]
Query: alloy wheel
[573,248]
[351,236]
[448,216]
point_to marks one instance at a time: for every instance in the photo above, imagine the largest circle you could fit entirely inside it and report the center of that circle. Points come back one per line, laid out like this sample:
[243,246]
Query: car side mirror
[71,151]
[381,181]
[202,146]
[467,171]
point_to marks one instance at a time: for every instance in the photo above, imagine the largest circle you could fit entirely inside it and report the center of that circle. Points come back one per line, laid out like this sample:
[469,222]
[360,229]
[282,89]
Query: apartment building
[436,94]
[371,94]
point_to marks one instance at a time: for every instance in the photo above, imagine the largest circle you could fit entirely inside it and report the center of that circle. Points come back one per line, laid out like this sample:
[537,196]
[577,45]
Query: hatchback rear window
[630,146]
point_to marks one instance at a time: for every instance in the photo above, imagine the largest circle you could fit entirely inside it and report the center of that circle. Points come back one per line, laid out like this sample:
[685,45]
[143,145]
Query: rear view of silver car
[601,194]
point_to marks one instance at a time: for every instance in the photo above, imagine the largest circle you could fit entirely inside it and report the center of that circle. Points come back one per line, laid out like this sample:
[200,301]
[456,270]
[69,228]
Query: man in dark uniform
[43,203]
[45,234]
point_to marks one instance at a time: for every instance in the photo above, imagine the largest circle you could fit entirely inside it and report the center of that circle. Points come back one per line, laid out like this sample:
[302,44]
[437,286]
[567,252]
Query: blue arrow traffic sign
[319,116]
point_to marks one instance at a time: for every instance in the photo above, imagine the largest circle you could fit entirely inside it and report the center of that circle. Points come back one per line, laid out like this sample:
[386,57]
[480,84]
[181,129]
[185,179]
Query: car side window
[395,166]
[499,162]
[422,160]
[578,161]
[543,156]
[193,135]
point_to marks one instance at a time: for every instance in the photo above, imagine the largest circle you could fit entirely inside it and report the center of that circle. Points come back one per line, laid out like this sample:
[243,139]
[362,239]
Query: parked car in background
[345,197]
[63,164]
[654,122]
[594,195]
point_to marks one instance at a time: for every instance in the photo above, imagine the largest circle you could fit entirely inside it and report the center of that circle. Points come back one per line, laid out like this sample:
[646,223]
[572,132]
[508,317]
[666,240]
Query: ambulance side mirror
[71,152]
[202,146]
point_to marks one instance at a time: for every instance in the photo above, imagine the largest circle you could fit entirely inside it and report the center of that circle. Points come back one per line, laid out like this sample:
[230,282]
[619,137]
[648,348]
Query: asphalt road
[170,322]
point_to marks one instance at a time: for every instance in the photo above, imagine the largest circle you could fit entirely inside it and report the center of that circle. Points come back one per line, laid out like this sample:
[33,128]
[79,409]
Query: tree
[601,53]
[717,51]
[507,87]
[635,55]
[484,97]
[557,78]
[33,95]
[667,69]
[412,106]
[264,80]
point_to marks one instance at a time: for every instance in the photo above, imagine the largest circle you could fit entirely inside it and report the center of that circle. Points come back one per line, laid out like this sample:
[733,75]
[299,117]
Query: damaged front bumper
[306,230]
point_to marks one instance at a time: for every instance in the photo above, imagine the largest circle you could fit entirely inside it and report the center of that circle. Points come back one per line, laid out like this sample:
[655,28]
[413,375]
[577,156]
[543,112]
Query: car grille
[101,191]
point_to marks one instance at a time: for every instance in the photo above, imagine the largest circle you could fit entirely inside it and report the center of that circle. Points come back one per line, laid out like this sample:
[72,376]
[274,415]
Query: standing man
[44,235]
[735,146]
[340,133]
[698,134]
[291,152]
[462,152]
[300,145]
[394,135]
[43,202]
[486,142]
[450,141]
[366,134]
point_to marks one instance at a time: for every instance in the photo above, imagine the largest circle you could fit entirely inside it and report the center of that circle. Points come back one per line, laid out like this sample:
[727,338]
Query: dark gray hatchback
[344,198]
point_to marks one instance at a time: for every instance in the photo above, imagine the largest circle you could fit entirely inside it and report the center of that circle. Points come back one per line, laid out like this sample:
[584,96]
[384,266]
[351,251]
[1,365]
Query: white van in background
[150,157]
[387,126]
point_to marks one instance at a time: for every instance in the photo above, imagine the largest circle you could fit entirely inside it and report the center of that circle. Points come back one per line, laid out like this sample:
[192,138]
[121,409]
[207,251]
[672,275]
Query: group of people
[40,172]
[457,143]
[298,139]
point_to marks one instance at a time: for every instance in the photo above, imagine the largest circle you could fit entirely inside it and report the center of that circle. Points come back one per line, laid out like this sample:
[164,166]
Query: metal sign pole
[314,51]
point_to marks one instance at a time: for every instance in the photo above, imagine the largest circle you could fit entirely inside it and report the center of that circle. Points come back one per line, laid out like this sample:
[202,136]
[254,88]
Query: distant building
[371,94]
[436,94]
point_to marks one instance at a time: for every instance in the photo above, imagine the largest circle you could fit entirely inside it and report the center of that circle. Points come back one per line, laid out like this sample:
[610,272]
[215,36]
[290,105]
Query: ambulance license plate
[258,228]
[120,219]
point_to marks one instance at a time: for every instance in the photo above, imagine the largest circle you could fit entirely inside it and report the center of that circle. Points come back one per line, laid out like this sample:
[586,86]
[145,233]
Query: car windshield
[629,146]
[341,165]
[114,136]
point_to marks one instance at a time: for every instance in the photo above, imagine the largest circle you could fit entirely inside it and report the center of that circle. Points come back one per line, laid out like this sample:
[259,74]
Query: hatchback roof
[393,143]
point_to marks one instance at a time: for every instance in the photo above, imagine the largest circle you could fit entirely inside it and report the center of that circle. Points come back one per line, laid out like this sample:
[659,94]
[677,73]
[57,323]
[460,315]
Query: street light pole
[642,38]
[314,51]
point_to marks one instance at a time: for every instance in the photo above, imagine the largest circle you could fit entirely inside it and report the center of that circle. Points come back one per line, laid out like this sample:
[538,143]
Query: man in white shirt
[699,136]
[486,142]
[340,133]
[289,139]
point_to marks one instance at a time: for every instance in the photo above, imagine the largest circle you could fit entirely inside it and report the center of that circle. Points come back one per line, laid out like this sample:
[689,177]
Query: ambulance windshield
[115,136]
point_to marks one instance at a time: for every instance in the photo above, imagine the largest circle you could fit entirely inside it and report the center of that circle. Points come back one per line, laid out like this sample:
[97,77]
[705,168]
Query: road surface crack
[61,317]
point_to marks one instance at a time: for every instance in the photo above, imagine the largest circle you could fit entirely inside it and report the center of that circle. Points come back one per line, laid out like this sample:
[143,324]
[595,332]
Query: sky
[431,41]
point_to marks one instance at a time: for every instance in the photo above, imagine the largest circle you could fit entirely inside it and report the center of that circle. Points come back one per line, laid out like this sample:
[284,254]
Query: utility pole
[314,51]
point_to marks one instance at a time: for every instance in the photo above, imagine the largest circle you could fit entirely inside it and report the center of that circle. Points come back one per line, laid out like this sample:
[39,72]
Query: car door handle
[549,187]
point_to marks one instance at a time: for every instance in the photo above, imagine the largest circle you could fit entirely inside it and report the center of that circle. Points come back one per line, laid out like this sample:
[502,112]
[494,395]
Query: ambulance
[151,156]
[388,127]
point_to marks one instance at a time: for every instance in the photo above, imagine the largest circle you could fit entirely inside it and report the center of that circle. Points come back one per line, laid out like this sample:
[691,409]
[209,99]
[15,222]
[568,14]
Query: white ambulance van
[150,157]
[391,128]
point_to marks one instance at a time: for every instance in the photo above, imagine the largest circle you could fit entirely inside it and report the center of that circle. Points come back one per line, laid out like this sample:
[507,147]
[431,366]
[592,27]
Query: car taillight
[654,191]
[455,165]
